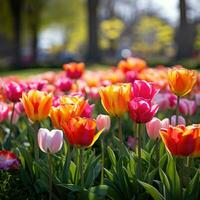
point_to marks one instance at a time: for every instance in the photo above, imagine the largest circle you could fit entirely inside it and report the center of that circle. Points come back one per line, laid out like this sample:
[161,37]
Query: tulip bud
[181,120]
[103,121]
[153,127]
[50,141]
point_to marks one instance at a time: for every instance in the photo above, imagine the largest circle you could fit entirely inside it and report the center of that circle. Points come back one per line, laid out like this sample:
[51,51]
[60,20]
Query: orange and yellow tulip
[37,104]
[74,70]
[180,140]
[80,132]
[130,64]
[181,80]
[115,98]
[70,107]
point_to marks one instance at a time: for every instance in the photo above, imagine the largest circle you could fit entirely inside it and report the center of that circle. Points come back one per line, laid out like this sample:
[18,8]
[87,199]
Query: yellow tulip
[115,98]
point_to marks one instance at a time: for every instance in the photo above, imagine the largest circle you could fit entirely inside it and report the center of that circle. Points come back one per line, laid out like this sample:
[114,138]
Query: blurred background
[37,33]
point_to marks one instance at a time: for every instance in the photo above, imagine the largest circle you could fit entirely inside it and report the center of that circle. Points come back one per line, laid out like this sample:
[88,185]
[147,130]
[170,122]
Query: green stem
[12,115]
[120,129]
[188,161]
[102,161]
[157,151]
[81,166]
[177,109]
[139,150]
[36,147]
[50,175]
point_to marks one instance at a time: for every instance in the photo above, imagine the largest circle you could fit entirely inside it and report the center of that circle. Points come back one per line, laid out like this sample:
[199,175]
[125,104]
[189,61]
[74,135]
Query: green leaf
[164,179]
[173,178]
[71,187]
[152,191]
[112,157]
[72,169]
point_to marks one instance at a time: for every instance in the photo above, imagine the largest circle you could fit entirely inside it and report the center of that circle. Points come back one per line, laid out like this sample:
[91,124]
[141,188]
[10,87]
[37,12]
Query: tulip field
[128,132]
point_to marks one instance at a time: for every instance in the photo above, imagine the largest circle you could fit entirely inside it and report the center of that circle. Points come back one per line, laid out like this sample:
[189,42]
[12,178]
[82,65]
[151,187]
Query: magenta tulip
[187,107]
[141,110]
[64,84]
[13,91]
[50,141]
[143,89]
[4,110]
[153,127]
[87,112]
[103,122]
[181,120]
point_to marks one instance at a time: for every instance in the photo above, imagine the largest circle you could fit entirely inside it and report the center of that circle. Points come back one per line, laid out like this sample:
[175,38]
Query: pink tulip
[13,91]
[8,160]
[153,127]
[187,107]
[93,93]
[37,85]
[56,101]
[64,84]
[143,89]
[197,99]
[4,110]
[50,141]
[87,112]
[19,109]
[162,100]
[172,100]
[103,121]
[181,120]
[141,110]
[131,76]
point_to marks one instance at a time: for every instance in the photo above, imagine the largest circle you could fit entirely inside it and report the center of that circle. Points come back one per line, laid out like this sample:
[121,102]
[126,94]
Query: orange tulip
[74,70]
[70,107]
[180,140]
[80,131]
[37,104]
[130,64]
[115,98]
[181,81]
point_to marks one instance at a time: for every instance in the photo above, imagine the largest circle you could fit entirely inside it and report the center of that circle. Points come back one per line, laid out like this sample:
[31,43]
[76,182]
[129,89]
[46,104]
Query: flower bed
[127,132]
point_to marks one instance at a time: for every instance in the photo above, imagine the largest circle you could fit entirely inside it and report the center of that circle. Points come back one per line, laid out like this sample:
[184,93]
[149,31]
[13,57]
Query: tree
[93,53]
[16,7]
[186,33]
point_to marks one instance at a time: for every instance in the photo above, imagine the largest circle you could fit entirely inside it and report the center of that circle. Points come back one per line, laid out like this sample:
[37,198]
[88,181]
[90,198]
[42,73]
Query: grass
[29,72]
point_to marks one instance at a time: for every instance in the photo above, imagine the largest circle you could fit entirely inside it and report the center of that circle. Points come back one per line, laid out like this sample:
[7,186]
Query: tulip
[131,142]
[37,85]
[103,122]
[8,160]
[74,70]
[197,99]
[130,64]
[19,109]
[162,100]
[115,98]
[93,93]
[179,140]
[80,131]
[87,112]
[50,141]
[37,104]
[153,127]
[141,110]
[64,84]
[187,107]
[131,76]
[13,91]
[4,110]
[181,81]
[143,89]
[181,120]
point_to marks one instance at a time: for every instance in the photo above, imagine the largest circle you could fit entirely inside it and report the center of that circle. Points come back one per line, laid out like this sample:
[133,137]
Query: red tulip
[141,110]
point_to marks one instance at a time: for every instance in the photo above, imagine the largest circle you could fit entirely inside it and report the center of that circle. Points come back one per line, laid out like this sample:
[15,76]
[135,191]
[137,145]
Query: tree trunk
[34,42]
[185,35]
[93,53]
[16,8]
